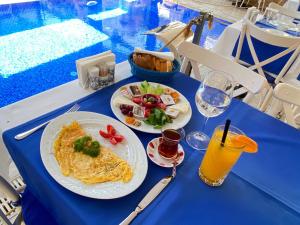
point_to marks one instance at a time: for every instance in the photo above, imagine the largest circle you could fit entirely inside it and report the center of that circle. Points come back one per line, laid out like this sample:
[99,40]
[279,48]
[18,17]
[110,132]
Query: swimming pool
[41,39]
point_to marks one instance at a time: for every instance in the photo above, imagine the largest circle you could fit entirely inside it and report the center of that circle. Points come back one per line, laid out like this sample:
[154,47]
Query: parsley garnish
[87,146]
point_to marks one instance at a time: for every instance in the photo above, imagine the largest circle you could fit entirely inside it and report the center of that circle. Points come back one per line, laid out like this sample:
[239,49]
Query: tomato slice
[162,106]
[104,134]
[119,138]
[113,141]
[137,100]
[111,130]
[147,113]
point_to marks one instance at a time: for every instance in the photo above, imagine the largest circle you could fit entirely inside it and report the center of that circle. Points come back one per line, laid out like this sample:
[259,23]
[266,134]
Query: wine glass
[271,16]
[212,99]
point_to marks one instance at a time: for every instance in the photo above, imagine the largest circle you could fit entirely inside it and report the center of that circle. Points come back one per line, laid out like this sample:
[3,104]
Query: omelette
[105,167]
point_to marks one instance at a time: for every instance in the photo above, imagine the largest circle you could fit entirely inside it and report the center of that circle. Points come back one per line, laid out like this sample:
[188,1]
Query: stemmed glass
[271,15]
[212,99]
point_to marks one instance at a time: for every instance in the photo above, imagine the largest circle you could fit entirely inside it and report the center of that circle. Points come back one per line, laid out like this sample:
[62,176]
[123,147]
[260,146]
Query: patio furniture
[260,195]
[289,96]
[18,208]
[274,56]
[196,55]
[285,11]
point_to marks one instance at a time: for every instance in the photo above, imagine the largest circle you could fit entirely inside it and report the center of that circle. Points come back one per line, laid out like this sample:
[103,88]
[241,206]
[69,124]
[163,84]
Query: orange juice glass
[219,159]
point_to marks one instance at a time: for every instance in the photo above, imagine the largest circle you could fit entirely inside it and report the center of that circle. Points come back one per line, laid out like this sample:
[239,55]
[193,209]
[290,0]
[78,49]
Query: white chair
[196,55]
[11,211]
[10,208]
[285,11]
[289,96]
[260,3]
[291,44]
[251,14]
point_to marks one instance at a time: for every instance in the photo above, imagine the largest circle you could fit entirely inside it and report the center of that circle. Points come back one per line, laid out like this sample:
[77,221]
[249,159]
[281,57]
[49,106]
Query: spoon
[174,165]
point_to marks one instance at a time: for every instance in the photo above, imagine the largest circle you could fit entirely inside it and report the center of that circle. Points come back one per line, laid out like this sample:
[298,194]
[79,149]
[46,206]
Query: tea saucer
[152,152]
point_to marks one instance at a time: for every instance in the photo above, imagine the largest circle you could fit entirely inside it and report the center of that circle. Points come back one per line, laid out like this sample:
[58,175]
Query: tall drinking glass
[212,99]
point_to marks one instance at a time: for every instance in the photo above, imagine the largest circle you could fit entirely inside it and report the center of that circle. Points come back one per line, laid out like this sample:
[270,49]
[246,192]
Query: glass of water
[212,99]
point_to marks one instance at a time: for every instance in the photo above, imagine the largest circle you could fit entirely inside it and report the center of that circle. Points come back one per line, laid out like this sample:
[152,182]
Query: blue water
[40,41]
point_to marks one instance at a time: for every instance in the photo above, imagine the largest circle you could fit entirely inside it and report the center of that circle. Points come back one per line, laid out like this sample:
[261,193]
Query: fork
[23,135]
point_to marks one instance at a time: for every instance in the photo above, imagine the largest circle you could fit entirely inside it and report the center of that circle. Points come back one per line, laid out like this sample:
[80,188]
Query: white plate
[177,123]
[131,150]
[277,32]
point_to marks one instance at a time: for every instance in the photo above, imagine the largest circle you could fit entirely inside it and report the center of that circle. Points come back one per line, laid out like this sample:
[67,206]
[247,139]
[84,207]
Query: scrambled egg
[107,166]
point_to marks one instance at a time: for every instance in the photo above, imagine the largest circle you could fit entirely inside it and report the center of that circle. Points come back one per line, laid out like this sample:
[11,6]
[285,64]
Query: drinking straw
[226,128]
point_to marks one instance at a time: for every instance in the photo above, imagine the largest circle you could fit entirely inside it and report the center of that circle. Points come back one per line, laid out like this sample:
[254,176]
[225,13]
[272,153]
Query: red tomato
[111,130]
[113,141]
[119,138]
[162,106]
[104,134]
[147,112]
[137,100]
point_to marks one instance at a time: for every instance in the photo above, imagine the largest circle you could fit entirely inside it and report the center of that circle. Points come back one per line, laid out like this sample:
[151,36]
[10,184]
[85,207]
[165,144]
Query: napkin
[162,55]
[83,64]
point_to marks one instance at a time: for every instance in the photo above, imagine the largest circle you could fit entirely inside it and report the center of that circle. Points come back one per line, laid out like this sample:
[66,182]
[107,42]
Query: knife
[150,196]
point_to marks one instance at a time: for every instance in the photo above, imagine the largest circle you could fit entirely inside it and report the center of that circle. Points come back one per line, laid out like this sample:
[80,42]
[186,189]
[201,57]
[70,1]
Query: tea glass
[168,146]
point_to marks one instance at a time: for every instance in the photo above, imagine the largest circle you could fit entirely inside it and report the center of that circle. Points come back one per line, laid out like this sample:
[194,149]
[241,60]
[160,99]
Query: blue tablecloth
[34,212]
[265,24]
[264,188]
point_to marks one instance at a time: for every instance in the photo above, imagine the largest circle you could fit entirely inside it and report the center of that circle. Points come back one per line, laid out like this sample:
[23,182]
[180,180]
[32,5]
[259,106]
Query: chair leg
[242,3]
[258,5]
[236,3]
[266,100]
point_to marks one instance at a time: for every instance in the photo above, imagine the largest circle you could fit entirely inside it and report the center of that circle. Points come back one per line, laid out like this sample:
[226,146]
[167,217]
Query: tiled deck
[222,9]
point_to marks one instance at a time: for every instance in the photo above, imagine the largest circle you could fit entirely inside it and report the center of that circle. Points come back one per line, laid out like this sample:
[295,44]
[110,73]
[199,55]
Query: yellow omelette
[107,166]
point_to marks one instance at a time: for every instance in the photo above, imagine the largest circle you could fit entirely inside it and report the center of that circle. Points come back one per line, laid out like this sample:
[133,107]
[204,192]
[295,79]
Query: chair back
[290,97]
[285,11]
[290,44]
[196,55]
[251,14]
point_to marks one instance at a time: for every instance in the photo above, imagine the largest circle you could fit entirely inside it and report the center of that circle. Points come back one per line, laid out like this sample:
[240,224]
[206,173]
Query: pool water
[40,40]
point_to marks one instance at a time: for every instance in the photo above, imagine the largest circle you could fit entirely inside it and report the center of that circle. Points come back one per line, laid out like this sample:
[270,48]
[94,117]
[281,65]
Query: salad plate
[150,107]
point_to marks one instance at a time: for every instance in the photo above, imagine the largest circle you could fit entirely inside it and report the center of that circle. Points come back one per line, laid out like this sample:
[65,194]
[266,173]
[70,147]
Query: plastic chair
[21,208]
[290,44]
[289,96]
[196,55]
[285,11]
[260,3]
[251,14]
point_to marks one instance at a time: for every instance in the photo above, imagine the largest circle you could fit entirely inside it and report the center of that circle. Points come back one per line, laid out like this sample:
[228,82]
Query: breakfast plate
[130,150]
[138,110]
